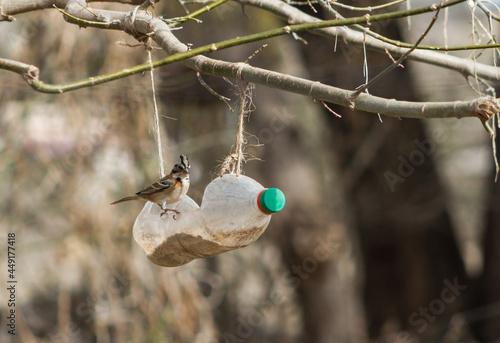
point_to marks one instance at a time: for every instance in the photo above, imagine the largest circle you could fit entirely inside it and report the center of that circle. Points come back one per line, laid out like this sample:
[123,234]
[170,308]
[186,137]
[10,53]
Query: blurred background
[366,249]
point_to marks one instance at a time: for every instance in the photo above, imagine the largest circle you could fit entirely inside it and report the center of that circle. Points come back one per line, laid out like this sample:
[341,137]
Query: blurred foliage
[64,158]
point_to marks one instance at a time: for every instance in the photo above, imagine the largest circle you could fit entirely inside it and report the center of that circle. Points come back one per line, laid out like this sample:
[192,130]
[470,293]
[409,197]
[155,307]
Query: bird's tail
[133,197]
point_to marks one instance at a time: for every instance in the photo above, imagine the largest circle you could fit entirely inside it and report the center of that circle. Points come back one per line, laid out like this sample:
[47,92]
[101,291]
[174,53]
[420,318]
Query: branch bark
[294,16]
[145,25]
[287,12]
[13,7]
[483,107]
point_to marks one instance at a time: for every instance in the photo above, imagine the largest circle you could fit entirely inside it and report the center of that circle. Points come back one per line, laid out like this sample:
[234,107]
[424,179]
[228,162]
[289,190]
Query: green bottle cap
[271,200]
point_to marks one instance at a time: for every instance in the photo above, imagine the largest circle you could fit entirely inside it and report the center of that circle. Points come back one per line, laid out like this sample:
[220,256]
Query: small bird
[168,190]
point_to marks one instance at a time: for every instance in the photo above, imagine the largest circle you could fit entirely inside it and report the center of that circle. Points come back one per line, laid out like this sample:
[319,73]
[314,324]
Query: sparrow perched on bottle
[168,190]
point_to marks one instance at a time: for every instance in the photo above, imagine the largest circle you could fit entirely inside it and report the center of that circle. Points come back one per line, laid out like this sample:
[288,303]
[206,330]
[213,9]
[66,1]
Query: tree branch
[482,108]
[397,63]
[145,25]
[13,7]
[294,16]
[139,27]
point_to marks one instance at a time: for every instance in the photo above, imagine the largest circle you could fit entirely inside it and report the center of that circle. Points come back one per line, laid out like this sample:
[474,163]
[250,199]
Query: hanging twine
[494,145]
[157,117]
[234,161]
[238,145]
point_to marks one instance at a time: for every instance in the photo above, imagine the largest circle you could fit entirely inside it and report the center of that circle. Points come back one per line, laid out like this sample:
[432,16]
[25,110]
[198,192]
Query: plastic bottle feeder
[234,212]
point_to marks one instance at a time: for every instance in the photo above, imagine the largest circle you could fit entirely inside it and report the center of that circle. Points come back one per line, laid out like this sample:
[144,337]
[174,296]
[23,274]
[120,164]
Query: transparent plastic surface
[230,210]
[229,218]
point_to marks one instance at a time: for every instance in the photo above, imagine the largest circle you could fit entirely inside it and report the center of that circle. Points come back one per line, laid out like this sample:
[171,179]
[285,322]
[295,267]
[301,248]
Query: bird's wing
[158,186]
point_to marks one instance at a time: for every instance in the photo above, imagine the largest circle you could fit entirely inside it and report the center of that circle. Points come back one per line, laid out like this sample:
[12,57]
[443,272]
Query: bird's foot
[166,210]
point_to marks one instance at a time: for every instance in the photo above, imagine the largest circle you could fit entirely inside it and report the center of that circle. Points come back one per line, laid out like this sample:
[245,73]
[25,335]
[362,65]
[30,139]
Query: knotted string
[234,161]
[157,117]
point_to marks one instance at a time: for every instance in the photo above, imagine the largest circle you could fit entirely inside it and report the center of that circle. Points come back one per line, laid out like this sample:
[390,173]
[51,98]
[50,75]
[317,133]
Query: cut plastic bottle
[234,212]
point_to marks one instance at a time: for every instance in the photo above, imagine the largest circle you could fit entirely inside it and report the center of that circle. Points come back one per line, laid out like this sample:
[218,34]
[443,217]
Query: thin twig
[401,44]
[214,93]
[369,8]
[105,23]
[352,8]
[48,88]
[487,11]
[255,53]
[193,15]
[400,60]
[330,110]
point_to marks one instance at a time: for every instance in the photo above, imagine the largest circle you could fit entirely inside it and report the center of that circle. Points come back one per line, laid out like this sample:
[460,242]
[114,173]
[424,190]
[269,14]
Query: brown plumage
[168,190]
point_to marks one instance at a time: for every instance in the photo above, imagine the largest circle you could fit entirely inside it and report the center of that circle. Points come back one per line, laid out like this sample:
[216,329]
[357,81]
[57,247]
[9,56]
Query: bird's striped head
[182,166]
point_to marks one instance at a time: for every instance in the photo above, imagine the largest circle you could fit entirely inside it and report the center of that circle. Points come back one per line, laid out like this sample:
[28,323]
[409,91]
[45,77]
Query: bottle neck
[260,204]
[270,200]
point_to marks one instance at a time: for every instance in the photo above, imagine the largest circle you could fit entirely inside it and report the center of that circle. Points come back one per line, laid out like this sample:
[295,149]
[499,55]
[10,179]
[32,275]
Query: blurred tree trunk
[365,208]
[486,314]
[395,196]
[346,207]
[320,258]
[317,238]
